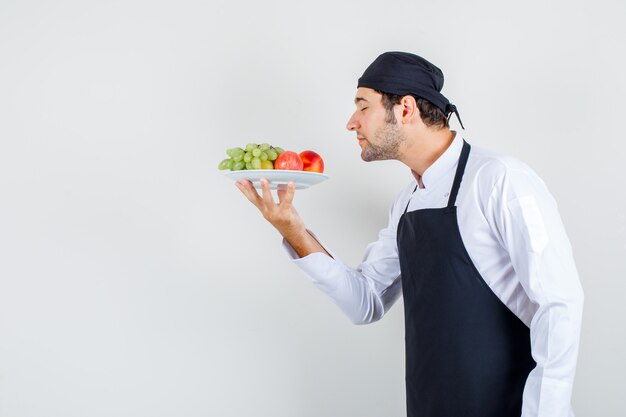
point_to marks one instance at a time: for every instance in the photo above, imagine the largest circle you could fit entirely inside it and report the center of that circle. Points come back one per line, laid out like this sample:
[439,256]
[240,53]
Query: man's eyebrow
[358,99]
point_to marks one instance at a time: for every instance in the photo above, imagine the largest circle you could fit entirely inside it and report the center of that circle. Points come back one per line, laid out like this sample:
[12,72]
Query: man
[492,299]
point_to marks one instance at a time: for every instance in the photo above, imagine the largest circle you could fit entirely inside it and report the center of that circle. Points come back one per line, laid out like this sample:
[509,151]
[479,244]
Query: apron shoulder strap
[460,169]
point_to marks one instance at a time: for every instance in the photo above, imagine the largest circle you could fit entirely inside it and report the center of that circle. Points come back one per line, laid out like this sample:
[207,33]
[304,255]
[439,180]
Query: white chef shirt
[511,228]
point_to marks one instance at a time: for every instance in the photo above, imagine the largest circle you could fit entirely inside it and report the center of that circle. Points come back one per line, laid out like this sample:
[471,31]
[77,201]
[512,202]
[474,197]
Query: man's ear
[410,111]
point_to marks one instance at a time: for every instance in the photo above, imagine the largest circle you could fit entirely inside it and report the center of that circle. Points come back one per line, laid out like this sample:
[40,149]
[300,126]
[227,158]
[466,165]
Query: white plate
[278,178]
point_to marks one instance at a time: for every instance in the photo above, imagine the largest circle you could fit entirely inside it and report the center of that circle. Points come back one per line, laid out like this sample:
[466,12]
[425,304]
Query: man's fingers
[245,186]
[265,202]
[281,195]
[267,194]
[286,196]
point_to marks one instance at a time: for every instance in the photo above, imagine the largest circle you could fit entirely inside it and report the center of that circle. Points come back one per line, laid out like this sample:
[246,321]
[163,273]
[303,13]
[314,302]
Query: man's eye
[364,108]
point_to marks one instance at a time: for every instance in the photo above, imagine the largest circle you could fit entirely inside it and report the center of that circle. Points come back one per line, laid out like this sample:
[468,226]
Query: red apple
[288,160]
[312,161]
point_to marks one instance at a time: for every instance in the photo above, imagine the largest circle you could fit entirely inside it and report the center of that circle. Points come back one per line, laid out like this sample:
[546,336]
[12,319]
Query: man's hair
[431,115]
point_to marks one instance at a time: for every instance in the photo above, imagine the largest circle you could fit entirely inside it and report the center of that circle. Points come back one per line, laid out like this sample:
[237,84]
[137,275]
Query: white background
[135,280]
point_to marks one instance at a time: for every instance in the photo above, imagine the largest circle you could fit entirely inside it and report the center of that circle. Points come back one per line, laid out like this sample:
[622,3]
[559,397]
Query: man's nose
[352,124]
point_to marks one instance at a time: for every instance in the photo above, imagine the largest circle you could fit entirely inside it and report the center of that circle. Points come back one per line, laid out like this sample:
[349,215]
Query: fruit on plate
[289,160]
[253,156]
[265,156]
[267,165]
[312,161]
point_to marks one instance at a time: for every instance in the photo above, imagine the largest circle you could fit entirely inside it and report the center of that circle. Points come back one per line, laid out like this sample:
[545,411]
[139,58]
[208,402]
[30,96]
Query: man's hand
[283,216]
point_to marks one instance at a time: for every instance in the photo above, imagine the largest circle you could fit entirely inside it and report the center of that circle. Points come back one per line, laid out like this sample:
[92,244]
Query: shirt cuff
[317,266]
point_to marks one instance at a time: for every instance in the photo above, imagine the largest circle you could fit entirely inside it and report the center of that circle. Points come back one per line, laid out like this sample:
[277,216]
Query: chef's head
[398,74]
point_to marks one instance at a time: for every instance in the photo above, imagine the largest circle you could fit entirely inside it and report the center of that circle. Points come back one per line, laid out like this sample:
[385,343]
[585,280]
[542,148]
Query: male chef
[476,246]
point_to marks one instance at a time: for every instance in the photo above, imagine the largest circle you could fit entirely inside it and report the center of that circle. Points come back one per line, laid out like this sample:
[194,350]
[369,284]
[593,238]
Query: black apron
[467,354]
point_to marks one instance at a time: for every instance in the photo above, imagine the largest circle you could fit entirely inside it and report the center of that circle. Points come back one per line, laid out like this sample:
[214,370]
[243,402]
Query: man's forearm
[304,244]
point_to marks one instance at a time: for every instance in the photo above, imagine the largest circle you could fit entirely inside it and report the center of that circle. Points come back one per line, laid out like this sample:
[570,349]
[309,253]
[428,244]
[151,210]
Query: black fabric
[458,176]
[403,73]
[467,354]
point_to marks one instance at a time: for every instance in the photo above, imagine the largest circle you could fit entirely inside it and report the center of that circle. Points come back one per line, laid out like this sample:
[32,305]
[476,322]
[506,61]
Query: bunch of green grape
[253,157]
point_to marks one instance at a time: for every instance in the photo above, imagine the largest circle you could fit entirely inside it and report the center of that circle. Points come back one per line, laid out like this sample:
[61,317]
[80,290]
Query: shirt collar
[446,162]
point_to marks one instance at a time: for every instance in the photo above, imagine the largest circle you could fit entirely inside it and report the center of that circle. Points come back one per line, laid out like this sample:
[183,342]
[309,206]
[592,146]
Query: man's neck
[422,152]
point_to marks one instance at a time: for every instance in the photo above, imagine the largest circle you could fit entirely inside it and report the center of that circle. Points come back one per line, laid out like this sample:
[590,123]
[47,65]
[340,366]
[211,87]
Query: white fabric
[513,233]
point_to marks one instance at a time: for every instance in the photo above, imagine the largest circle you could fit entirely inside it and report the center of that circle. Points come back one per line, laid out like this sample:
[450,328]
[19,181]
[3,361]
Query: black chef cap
[403,73]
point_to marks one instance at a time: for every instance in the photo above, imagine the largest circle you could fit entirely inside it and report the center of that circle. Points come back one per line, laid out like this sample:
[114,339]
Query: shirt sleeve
[532,232]
[364,293]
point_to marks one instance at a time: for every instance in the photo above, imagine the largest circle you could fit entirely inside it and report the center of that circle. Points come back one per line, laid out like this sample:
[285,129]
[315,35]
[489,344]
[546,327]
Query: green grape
[272,154]
[253,156]
[238,154]
[225,164]
[233,152]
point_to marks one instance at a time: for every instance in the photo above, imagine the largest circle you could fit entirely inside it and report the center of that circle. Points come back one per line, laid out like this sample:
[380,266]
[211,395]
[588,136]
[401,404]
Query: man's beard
[388,139]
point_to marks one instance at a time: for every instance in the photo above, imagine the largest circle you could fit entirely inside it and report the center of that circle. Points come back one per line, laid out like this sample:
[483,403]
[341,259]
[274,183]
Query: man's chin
[367,158]
[369,155]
